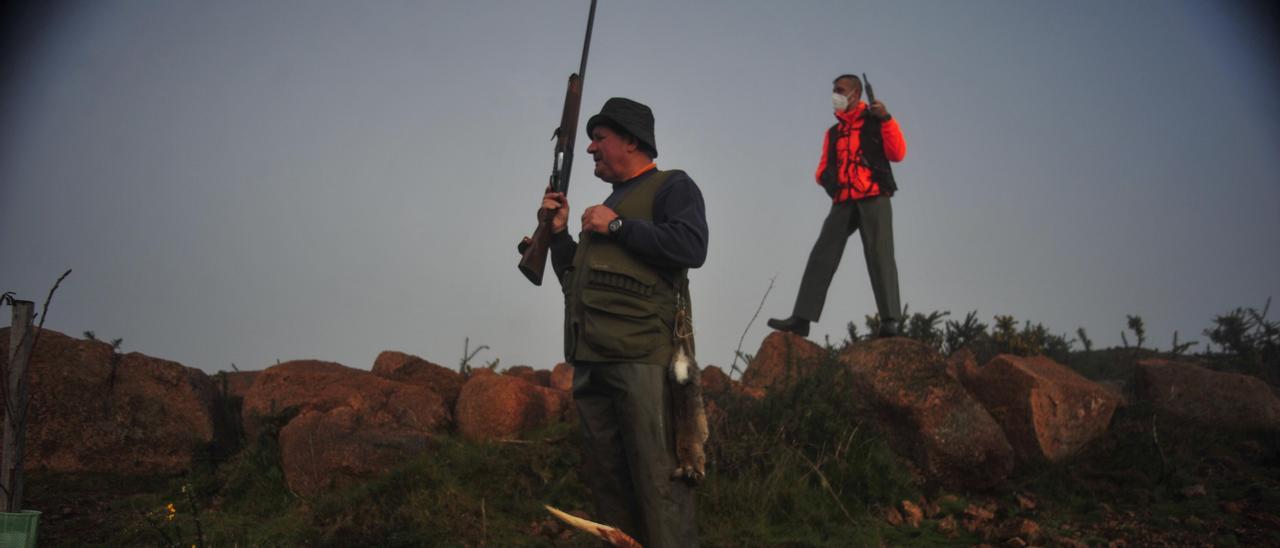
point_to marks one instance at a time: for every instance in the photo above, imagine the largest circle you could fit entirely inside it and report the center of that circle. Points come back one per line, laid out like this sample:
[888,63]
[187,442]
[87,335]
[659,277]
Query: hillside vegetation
[805,464]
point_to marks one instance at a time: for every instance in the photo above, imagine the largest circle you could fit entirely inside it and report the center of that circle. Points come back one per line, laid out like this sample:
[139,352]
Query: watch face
[615,225]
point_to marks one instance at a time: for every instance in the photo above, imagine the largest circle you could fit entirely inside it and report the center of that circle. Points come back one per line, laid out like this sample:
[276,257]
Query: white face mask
[839,102]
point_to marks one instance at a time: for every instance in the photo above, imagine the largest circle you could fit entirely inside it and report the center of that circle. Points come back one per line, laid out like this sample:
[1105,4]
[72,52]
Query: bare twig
[464,367]
[20,415]
[848,442]
[1155,439]
[737,354]
[44,310]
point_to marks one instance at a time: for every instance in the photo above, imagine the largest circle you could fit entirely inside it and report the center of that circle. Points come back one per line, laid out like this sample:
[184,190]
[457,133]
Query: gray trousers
[874,216]
[625,411]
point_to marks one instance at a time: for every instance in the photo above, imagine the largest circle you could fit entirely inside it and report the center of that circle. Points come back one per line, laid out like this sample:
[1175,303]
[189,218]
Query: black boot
[799,326]
[888,328]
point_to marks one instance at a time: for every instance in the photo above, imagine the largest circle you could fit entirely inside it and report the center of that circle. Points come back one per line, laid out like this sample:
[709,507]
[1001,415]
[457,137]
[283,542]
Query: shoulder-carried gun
[533,249]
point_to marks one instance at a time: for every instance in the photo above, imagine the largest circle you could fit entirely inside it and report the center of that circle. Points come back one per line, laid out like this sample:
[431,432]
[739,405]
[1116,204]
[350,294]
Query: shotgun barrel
[533,249]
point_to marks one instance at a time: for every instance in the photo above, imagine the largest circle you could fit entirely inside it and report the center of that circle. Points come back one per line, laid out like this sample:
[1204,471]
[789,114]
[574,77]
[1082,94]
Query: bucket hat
[630,116]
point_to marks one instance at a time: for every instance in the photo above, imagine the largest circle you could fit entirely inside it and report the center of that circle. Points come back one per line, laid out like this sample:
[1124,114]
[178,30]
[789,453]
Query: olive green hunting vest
[617,308]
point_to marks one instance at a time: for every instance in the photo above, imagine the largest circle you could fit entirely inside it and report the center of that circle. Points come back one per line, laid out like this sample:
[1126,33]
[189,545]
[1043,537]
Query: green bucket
[18,529]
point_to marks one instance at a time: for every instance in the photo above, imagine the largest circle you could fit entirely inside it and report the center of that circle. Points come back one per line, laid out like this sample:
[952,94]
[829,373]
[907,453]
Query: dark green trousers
[625,411]
[874,217]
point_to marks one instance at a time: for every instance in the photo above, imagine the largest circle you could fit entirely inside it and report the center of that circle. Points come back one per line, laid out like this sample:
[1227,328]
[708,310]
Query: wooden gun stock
[533,249]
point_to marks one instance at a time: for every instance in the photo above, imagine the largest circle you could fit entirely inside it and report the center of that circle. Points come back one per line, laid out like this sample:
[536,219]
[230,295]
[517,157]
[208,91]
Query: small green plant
[1008,339]
[873,324]
[254,482]
[926,328]
[116,358]
[115,343]
[1178,349]
[854,336]
[1251,340]
[736,372]
[1084,339]
[166,525]
[1139,332]
[464,365]
[961,334]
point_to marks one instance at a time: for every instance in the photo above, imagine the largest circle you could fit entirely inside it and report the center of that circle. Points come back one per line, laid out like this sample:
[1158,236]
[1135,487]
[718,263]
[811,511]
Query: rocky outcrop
[323,450]
[95,411]
[308,385]
[1204,396]
[339,425]
[962,364]
[538,377]
[493,406]
[714,381]
[781,360]
[407,368]
[1047,411]
[927,415]
[235,383]
[562,377]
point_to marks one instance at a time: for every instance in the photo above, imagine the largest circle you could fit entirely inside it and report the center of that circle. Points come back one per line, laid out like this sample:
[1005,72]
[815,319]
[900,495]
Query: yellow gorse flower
[172,511]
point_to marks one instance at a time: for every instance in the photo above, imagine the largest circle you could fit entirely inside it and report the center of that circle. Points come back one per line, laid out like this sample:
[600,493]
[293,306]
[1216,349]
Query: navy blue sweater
[676,238]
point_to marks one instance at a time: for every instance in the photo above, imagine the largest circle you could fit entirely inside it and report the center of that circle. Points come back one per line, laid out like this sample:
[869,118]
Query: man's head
[850,87]
[622,140]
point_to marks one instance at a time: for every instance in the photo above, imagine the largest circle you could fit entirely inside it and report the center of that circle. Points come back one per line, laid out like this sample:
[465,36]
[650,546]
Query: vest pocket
[620,319]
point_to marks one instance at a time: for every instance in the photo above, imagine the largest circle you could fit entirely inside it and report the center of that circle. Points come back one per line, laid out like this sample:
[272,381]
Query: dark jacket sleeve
[677,236]
[562,249]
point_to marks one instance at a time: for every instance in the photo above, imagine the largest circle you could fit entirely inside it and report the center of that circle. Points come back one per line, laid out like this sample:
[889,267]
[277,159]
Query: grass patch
[803,466]
[463,493]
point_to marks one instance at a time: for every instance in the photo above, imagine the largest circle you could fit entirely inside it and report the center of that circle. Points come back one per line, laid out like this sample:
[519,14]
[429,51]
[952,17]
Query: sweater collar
[643,170]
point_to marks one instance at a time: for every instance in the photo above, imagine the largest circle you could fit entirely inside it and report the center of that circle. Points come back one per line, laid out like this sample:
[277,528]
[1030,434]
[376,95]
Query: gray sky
[245,182]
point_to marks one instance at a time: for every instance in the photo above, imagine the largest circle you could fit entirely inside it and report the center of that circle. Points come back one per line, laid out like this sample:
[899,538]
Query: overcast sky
[247,181]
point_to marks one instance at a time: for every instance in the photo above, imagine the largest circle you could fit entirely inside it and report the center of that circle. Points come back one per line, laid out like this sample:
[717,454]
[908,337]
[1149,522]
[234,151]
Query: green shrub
[803,466]
[1250,341]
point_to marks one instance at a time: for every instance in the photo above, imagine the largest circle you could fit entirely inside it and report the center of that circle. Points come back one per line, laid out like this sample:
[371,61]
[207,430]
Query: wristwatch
[615,226]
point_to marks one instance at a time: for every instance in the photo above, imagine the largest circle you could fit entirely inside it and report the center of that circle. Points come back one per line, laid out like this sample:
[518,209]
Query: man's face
[610,152]
[848,88]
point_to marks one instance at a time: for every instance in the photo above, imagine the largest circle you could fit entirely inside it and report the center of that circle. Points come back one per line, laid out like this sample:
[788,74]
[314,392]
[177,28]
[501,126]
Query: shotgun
[533,250]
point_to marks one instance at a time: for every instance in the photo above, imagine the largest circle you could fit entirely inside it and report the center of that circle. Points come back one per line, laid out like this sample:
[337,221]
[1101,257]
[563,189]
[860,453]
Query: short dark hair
[857,83]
